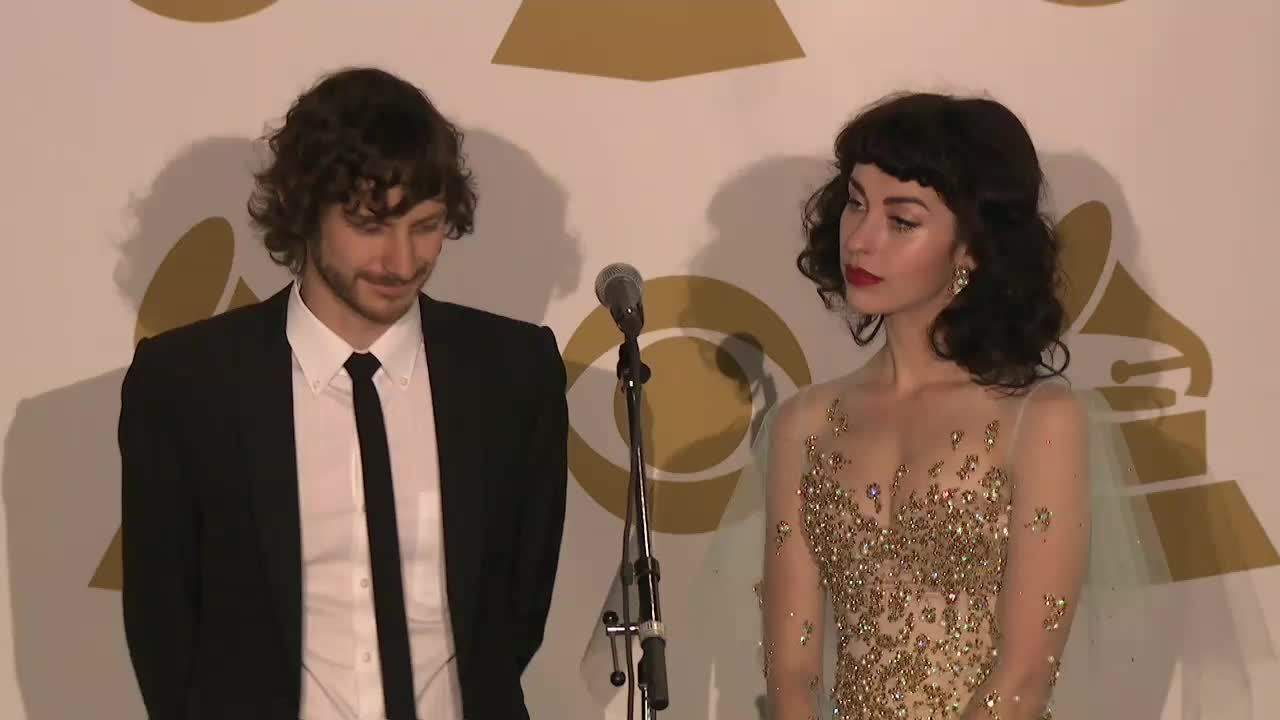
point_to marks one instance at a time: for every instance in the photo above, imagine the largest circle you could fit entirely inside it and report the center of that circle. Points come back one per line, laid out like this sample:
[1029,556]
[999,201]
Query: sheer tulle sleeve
[793,598]
[1047,558]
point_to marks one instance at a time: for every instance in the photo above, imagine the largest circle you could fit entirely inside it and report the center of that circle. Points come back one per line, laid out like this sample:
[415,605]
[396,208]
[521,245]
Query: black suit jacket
[211,529]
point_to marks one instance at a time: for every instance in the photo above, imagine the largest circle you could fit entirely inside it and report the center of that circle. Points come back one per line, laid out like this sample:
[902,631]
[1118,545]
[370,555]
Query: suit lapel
[266,414]
[462,498]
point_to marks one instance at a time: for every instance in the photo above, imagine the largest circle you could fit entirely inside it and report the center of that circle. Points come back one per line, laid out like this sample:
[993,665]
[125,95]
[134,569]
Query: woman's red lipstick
[858,277]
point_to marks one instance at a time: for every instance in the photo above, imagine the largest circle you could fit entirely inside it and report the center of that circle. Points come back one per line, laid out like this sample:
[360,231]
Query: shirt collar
[321,353]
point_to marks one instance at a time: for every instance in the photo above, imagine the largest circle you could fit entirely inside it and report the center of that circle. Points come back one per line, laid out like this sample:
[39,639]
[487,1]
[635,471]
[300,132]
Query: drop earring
[959,280]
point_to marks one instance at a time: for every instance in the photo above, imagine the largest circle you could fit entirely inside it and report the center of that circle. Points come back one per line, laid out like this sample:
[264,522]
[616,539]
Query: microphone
[619,288]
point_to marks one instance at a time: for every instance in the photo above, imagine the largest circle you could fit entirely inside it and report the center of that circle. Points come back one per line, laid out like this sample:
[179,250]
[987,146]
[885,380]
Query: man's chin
[383,308]
[387,311]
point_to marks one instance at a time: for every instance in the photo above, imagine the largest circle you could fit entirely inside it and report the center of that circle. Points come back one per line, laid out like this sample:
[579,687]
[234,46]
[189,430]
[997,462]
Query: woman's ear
[962,258]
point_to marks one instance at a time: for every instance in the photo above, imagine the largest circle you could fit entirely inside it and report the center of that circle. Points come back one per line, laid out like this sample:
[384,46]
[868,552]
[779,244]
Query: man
[345,501]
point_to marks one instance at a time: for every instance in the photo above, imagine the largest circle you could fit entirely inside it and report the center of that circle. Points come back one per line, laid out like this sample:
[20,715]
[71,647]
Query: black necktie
[384,541]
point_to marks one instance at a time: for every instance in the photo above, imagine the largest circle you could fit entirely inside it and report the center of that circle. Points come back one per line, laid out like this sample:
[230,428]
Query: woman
[938,497]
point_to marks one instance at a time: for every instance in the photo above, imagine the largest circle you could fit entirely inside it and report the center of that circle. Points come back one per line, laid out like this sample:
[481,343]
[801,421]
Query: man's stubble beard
[345,289]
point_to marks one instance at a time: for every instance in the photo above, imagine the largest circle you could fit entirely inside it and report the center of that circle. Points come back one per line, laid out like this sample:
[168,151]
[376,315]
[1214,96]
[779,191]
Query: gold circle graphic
[204,12]
[695,303]
[710,400]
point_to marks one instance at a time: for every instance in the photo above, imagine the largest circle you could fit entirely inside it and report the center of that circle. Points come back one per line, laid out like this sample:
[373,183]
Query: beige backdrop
[680,137]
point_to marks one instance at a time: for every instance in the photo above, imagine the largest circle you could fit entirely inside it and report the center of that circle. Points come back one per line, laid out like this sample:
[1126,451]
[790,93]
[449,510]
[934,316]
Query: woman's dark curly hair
[349,139]
[1005,328]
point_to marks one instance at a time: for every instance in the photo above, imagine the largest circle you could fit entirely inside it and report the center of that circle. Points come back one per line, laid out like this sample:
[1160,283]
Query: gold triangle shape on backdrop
[648,41]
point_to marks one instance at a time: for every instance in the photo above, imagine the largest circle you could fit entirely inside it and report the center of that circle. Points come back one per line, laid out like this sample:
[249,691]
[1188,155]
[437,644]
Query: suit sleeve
[158,534]
[542,516]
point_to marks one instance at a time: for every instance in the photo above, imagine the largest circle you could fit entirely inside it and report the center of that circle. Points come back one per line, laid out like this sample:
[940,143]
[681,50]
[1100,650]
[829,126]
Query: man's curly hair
[1005,328]
[348,140]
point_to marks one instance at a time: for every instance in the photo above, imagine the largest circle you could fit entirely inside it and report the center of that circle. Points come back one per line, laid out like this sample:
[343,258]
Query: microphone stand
[652,668]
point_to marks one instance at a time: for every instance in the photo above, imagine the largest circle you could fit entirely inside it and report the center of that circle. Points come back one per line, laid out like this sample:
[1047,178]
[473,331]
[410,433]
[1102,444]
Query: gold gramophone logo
[1206,527]
[710,345]
[192,283]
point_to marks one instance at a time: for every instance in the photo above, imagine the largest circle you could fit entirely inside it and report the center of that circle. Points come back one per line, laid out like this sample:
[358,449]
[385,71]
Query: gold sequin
[783,532]
[956,437]
[873,493]
[839,421]
[991,701]
[994,482]
[808,633]
[993,430]
[1041,520]
[913,594]
[1057,609]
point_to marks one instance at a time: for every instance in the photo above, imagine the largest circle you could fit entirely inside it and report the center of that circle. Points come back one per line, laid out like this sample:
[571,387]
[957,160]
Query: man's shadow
[522,254]
[61,474]
[522,257]
[1204,630]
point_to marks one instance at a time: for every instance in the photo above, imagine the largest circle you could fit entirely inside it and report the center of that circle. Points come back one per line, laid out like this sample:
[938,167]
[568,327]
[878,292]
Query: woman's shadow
[756,221]
[61,473]
[1209,630]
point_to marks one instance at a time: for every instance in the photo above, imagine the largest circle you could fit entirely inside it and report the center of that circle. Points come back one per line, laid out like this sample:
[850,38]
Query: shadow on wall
[755,219]
[521,257]
[522,254]
[61,470]
[1207,627]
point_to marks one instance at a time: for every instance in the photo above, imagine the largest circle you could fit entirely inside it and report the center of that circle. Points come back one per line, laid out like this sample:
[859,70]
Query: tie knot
[362,366]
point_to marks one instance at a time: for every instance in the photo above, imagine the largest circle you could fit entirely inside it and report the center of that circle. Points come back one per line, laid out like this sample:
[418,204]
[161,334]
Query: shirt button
[364,582]
[404,381]
[366,657]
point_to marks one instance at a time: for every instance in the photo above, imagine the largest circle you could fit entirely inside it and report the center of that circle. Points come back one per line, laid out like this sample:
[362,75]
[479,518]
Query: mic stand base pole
[651,670]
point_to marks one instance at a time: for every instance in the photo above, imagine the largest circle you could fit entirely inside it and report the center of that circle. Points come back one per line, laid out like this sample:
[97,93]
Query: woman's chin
[859,304]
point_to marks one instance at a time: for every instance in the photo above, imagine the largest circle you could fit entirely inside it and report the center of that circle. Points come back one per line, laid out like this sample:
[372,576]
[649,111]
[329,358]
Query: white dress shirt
[340,670]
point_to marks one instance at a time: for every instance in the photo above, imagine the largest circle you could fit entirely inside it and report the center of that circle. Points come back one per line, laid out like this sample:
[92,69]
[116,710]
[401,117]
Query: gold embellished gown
[948,540]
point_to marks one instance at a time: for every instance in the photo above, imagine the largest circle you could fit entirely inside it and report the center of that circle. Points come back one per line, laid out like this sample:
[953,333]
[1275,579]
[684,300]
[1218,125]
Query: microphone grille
[618,271]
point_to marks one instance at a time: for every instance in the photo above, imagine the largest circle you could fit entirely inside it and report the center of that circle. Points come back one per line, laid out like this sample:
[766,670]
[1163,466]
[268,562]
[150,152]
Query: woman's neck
[908,360]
